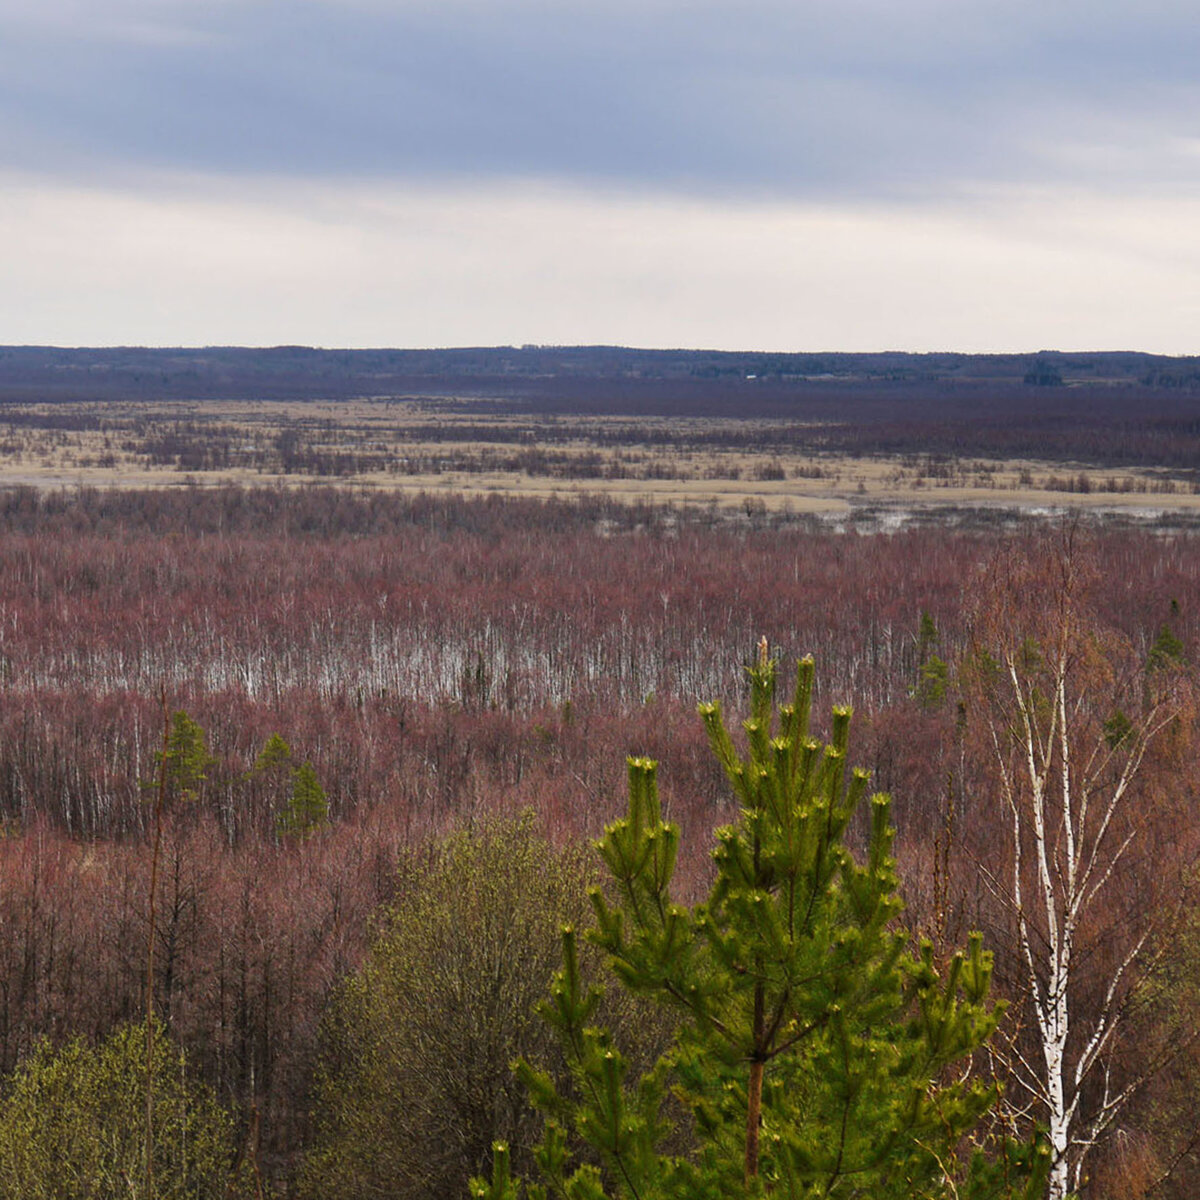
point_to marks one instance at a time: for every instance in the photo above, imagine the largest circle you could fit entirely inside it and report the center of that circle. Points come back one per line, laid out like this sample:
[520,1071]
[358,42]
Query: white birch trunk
[1072,861]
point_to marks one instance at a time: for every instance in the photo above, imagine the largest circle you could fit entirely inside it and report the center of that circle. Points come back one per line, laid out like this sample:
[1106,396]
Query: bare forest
[301,694]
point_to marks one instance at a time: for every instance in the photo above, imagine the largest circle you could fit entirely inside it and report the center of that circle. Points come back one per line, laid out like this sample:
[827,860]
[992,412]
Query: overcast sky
[830,175]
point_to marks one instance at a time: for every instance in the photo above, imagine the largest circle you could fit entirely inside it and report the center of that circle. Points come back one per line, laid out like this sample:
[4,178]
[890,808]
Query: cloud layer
[817,99]
[967,129]
[377,266]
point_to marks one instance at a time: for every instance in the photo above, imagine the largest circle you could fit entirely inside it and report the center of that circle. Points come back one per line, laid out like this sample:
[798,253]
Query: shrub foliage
[71,1125]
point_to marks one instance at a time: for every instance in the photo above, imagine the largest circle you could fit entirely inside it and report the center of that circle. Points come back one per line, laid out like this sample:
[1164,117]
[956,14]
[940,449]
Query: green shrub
[416,1081]
[73,1125]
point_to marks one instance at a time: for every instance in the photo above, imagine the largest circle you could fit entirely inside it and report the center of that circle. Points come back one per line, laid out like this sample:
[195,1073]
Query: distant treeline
[301,370]
[1109,410]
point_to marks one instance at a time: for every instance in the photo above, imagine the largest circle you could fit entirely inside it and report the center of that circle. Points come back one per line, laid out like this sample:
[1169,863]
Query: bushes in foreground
[416,1081]
[73,1126]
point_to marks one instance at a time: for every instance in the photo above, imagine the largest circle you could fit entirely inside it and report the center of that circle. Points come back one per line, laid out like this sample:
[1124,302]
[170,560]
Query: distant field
[465,446]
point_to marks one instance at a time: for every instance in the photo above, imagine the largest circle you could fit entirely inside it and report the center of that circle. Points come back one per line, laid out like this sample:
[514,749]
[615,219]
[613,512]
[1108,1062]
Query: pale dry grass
[819,483]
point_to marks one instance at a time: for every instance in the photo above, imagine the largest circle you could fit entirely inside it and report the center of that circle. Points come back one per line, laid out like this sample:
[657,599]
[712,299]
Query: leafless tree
[1072,709]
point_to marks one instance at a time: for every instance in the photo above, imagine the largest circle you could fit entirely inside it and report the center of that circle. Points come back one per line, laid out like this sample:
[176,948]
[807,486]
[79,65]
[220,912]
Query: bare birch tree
[1072,709]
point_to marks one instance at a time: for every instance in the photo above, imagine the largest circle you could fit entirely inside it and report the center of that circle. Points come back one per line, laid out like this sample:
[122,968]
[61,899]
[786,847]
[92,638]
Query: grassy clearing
[462,447]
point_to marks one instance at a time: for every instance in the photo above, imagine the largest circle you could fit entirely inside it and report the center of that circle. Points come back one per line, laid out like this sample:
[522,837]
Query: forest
[298,787]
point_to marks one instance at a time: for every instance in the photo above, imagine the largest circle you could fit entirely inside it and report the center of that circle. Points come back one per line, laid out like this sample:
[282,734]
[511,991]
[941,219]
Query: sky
[972,175]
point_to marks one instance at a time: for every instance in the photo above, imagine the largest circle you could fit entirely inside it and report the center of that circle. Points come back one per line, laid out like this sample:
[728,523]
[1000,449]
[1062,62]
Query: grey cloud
[813,100]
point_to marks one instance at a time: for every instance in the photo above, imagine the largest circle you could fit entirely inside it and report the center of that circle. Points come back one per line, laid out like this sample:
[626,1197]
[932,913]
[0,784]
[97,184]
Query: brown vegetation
[435,659]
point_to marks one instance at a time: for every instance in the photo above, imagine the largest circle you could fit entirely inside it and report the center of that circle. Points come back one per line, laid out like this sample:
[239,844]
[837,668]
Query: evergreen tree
[299,800]
[933,673]
[1166,652]
[927,637]
[307,809]
[815,1050]
[276,755]
[183,765]
[185,757]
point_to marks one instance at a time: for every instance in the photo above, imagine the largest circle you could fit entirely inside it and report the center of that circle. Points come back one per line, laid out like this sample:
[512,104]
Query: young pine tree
[301,806]
[307,808]
[816,1054]
[185,757]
